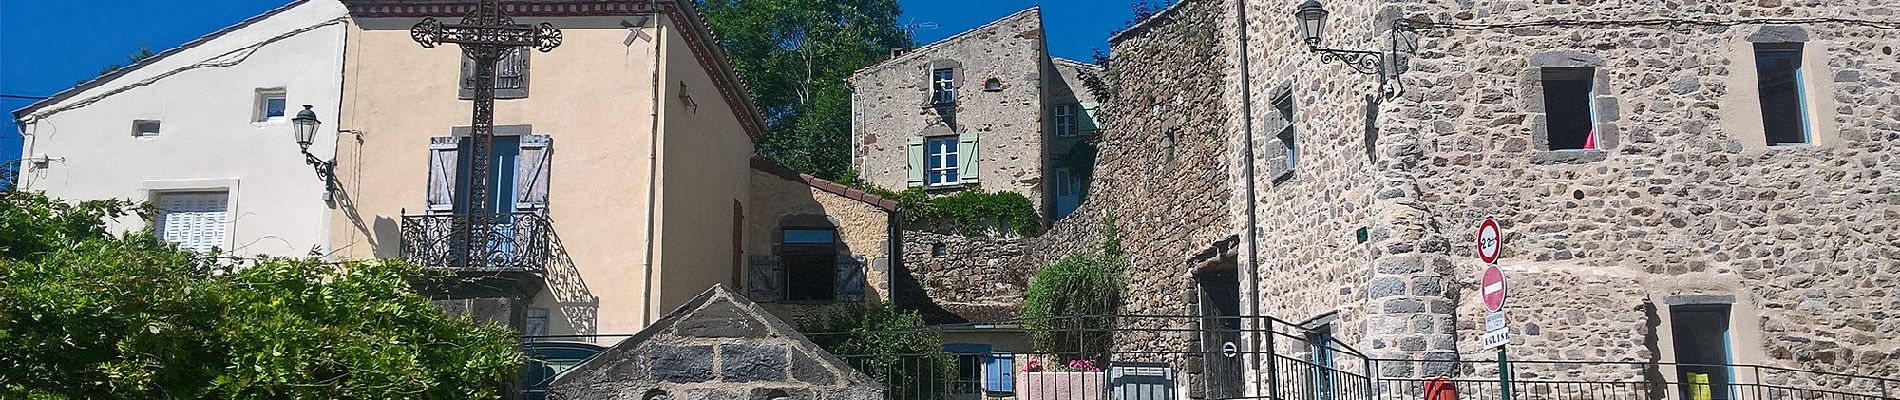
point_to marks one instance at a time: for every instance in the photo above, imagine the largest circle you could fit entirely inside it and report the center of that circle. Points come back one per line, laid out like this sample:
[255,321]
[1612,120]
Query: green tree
[795,55]
[887,344]
[84,315]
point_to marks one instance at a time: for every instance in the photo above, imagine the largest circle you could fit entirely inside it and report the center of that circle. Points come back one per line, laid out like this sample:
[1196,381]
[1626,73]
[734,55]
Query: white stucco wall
[204,95]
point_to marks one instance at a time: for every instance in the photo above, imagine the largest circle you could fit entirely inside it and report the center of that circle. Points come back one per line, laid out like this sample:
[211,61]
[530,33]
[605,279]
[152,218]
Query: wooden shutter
[967,158]
[763,283]
[999,372]
[850,278]
[914,174]
[442,170]
[531,172]
[1085,120]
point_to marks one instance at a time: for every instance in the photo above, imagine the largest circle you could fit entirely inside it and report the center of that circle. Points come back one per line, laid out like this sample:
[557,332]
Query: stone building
[1708,184]
[987,108]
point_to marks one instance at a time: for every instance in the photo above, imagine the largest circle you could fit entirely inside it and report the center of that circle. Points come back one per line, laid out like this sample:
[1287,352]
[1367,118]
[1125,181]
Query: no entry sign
[1490,241]
[1493,288]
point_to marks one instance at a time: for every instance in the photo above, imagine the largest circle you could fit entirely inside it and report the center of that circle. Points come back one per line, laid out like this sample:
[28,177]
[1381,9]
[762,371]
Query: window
[144,127]
[519,168]
[981,369]
[1701,339]
[270,106]
[1066,120]
[943,86]
[810,257]
[1778,68]
[193,220]
[511,75]
[1570,108]
[993,85]
[940,161]
[1283,104]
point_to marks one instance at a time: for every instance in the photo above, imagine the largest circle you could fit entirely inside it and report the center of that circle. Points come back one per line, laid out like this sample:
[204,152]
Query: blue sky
[49,45]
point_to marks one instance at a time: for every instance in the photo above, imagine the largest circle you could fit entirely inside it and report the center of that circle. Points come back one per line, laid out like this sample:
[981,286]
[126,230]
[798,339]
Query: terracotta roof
[825,185]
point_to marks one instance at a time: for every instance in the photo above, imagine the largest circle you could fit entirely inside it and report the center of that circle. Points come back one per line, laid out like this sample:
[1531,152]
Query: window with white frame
[943,86]
[193,220]
[1065,120]
[270,106]
[940,161]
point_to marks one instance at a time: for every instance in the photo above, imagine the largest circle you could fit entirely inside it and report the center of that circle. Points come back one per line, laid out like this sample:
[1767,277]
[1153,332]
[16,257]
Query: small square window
[1065,117]
[270,106]
[1570,108]
[144,127]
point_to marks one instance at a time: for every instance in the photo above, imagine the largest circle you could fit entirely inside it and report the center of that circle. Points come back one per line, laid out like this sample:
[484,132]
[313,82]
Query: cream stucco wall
[865,230]
[705,160]
[592,95]
[204,96]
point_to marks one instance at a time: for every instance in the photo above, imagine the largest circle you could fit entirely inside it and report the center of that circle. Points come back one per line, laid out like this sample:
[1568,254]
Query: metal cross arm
[429,32]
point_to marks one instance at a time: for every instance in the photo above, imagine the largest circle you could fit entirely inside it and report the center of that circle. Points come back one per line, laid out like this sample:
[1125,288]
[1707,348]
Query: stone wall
[953,278]
[891,106]
[719,346]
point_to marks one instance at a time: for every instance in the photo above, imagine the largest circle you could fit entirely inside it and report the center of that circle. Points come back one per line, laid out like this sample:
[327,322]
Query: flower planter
[1061,385]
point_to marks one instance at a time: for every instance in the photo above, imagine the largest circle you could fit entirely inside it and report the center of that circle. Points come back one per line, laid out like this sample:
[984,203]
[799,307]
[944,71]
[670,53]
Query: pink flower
[1033,365]
[1083,365]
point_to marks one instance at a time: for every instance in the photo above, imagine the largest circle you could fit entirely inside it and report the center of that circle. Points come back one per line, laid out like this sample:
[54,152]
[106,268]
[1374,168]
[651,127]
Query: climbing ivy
[973,212]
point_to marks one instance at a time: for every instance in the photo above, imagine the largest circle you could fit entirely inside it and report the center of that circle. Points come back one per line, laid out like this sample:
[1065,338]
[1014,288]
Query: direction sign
[1489,241]
[1493,288]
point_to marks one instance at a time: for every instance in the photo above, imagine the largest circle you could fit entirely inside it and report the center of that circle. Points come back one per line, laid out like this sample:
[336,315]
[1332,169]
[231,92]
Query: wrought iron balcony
[517,242]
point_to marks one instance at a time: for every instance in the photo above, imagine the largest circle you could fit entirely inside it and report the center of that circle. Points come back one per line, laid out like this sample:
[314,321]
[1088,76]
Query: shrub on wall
[1070,306]
[972,212]
[885,343]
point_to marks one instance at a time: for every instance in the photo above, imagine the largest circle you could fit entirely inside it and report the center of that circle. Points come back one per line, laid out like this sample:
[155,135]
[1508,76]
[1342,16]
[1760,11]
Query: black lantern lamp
[1311,17]
[306,123]
[1312,22]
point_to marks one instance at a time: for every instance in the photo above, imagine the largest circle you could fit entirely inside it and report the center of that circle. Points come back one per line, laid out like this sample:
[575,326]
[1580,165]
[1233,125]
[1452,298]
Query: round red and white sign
[1493,288]
[1490,241]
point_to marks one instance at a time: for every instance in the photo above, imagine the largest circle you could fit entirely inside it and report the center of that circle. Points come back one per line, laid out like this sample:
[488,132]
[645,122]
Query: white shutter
[442,170]
[192,220]
[531,172]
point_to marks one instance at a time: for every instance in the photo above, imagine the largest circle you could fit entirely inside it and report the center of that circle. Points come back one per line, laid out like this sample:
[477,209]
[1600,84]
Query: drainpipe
[653,174]
[1246,155]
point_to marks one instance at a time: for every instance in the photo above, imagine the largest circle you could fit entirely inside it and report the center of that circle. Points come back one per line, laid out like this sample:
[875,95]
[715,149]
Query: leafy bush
[972,212]
[887,344]
[87,316]
[1070,306]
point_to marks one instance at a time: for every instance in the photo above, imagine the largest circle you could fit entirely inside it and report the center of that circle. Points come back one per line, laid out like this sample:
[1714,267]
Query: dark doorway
[1702,348]
[1220,327]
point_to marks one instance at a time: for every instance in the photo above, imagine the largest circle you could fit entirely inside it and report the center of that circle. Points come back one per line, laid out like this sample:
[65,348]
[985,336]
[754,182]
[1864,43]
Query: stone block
[1779,34]
[1404,306]
[720,320]
[681,364]
[748,363]
[1386,286]
[1566,58]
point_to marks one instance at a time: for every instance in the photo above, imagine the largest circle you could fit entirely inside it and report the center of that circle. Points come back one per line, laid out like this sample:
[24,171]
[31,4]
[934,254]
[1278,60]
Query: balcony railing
[517,242]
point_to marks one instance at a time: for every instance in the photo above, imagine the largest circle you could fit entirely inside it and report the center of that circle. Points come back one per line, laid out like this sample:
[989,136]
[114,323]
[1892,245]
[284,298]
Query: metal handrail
[517,241]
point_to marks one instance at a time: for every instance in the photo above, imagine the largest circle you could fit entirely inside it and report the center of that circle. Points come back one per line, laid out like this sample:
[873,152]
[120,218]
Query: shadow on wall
[577,305]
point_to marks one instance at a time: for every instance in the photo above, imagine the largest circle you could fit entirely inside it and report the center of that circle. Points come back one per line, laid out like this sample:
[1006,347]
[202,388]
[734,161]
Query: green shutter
[967,158]
[1085,121]
[914,174]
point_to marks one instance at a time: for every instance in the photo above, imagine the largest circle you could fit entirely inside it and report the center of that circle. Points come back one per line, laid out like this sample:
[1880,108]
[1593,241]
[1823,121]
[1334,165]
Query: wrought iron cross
[485,35]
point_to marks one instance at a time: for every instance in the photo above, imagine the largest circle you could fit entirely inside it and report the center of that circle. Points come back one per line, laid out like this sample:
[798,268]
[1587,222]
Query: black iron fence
[516,242]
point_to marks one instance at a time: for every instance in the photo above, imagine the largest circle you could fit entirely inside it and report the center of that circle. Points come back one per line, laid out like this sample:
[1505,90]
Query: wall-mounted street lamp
[1312,21]
[306,123]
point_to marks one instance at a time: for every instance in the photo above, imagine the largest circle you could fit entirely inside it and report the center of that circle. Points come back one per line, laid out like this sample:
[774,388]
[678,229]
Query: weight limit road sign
[1490,242]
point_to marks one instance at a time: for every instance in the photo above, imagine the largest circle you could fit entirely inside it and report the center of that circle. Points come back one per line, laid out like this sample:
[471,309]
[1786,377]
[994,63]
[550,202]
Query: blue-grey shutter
[999,372]
[1085,118]
[850,275]
[531,172]
[762,283]
[442,171]
[967,158]
[914,153]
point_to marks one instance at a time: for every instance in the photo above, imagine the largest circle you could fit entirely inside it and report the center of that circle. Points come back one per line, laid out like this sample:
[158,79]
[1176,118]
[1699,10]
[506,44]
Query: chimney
[898,51]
